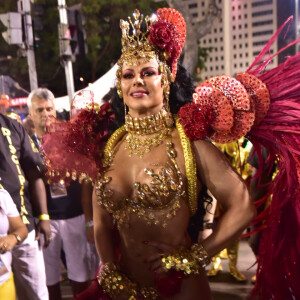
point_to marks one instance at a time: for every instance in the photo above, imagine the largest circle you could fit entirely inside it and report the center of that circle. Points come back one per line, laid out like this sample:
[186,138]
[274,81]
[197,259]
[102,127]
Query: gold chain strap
[139,146]
[190,167]
[108,150]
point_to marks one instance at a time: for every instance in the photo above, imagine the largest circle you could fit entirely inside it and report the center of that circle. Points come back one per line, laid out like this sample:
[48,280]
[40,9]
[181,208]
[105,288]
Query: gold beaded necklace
[145,133]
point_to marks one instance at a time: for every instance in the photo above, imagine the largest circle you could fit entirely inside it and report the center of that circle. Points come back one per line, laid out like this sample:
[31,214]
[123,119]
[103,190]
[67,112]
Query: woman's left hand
[155,262]
[163,250]
[7,242]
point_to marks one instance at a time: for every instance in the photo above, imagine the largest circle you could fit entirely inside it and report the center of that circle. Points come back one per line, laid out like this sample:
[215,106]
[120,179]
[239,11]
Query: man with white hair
[69,226]
[41,107]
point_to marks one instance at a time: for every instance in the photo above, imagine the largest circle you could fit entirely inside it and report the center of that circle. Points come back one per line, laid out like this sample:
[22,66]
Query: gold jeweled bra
[161,186]
[156,202]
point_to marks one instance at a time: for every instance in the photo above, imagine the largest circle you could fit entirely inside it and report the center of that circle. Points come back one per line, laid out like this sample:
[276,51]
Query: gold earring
[166,97]
[119,90]
[125,110]
[165,82]
[120,93]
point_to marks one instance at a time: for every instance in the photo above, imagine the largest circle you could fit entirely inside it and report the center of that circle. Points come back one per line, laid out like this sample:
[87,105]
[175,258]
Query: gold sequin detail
[149,124]
[139,146]
[157,202]
[190,261]
[114,283]
[155,127]
[108,150]
[190,167]
[155,197]
[168,183]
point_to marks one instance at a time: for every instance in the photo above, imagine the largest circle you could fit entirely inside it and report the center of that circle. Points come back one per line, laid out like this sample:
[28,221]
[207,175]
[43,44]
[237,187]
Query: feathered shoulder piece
[225,108]
[74,150]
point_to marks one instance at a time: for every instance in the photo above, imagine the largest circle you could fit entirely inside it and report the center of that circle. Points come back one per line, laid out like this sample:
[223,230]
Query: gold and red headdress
[161,36]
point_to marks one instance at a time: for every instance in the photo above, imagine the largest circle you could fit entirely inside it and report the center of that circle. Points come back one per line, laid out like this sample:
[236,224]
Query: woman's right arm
[103,230]
[103,225]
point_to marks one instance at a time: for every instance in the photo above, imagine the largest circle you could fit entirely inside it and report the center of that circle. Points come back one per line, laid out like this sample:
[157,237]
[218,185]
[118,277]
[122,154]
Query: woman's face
[141,88]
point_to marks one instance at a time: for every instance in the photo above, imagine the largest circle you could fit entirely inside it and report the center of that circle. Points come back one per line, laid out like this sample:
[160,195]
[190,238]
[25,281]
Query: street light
[18,87]
[8,57]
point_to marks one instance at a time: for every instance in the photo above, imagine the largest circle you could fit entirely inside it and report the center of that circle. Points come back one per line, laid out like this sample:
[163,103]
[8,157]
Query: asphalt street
[225,287]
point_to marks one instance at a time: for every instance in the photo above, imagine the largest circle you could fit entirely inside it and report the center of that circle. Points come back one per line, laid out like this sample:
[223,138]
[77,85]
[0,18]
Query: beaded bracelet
[149,293]
[187,260]
[114,282]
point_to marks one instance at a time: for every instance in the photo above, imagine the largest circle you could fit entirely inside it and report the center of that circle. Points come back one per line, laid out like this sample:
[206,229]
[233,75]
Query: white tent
[100,87]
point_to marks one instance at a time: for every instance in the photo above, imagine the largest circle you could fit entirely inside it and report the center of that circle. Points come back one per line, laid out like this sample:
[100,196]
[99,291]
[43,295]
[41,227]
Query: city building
[238,36]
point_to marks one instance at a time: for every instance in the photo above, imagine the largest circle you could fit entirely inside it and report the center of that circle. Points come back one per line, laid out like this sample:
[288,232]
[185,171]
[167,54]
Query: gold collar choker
[149,124]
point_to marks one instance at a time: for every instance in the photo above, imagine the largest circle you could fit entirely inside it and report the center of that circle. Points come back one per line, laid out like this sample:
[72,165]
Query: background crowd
[46,227]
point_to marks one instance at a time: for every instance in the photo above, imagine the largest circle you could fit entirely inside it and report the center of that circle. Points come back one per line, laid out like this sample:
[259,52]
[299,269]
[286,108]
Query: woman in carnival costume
[153,168]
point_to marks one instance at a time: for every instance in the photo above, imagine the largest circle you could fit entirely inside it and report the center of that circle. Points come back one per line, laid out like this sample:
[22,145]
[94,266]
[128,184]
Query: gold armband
[113,282]
[187,260]
[44,217]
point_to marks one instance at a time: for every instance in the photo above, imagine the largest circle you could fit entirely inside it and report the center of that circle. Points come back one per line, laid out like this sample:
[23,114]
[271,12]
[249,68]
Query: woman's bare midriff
[134,248]
[135,251]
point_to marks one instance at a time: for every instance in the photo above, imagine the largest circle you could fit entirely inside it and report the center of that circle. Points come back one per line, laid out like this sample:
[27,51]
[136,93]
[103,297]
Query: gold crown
[134,38]
[161,38]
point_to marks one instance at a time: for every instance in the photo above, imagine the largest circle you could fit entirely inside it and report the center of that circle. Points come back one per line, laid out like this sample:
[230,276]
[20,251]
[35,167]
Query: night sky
[285,9]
